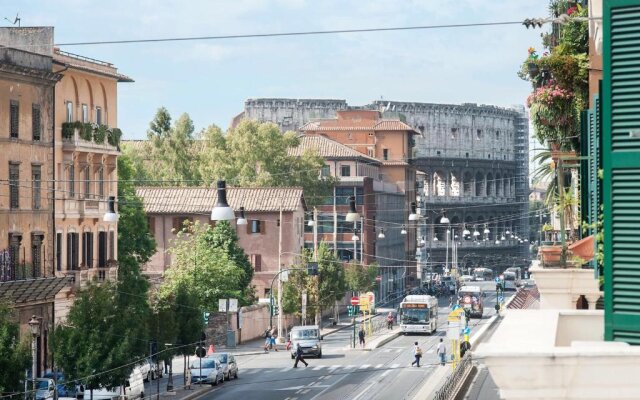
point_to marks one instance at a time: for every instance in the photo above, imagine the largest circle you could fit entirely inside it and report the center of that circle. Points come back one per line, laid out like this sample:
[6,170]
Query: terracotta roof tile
[329,149]
[200,200]
[357,125]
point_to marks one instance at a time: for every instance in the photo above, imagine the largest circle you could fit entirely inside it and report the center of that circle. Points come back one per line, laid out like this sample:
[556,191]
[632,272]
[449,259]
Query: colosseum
[472,163]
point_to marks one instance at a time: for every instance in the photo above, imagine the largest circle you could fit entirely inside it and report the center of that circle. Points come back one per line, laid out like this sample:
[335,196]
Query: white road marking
[250,371]
[394,366]
[318,368]
[306,391]
[365,366]
[385,373]
[349,367]
[379,366]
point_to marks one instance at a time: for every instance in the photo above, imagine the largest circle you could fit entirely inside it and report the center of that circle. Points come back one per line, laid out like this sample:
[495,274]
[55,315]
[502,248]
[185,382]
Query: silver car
[229,366]
[207,370]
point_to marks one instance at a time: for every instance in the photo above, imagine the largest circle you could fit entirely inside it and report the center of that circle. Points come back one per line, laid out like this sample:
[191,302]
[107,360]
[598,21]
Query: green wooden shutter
[621,162]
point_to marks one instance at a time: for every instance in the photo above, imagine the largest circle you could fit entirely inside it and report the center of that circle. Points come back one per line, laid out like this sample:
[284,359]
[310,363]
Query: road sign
[233,305]
[355,301]
[364,303]
[222,305]
[500,299]
[201,352]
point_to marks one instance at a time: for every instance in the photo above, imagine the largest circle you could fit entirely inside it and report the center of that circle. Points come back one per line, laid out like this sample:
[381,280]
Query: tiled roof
[327,148]
[32,290]
[357,125]
[525,298]
[395,162]
[201,200]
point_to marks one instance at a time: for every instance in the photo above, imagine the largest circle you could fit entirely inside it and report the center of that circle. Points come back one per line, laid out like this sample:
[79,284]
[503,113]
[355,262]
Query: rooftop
[88,64]
[357,125]
[201,200]
[329,149]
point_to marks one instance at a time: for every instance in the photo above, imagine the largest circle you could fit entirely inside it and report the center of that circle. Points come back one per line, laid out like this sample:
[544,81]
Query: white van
[133,389]
[309,338]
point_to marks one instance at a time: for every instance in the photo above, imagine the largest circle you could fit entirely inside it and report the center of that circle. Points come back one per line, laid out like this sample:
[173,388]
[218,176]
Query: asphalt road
[344,373]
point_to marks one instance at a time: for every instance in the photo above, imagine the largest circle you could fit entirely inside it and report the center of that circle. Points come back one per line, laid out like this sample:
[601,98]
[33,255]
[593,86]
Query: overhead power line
[527,22]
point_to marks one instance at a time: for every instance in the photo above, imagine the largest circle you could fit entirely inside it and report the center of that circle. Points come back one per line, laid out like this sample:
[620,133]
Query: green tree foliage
[225,238]
[360,278]
[207,272]
[14,354]
[257,154]
[322,290]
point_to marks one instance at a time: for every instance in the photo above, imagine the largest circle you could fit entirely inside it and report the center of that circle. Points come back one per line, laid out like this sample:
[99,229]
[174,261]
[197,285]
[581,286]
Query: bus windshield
[509,277]
[415,316]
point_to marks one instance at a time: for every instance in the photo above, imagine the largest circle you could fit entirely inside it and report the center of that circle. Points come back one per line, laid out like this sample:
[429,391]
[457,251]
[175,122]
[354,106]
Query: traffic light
[312,268]
[274,308]
[467,315]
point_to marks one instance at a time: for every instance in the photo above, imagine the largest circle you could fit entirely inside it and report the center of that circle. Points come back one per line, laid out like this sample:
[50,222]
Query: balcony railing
[90,137]
[18,272]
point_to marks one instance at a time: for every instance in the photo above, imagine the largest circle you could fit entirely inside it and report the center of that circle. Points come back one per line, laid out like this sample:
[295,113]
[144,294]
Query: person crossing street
[417,353]
[299,357]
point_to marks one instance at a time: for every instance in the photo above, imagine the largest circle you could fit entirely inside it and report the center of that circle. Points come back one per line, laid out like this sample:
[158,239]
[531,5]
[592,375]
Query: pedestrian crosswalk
[335,368]
[392,350]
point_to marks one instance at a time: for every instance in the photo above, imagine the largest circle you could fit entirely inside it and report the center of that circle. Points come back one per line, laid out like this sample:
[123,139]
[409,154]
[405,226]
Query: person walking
[272,343]
[267,342]
[299,357]
[442,352]
[417,353]
[361,337]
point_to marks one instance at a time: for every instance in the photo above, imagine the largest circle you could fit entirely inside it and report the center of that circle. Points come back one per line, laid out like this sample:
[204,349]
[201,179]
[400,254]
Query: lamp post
[34,326]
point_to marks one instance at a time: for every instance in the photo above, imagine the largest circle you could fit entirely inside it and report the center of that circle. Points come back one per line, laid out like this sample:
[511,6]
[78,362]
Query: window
[101,182]
[151,224]
[278,222]
[385,154]
[87,181]
[72,180]
[489,156]
[72,251]
[478,134]
[102,249]
[466,155]
[36,128]
[256,261]
[112,245]
[87,249]
[69,111]
[497,134]
[371,152]
[256,226]
[36,253]
[98,115]
[438,152]
[454,133]
[14,252]
[36,176]
[85,113]
[14,118]
[345,170]
[325,171]
[178,223]
[14,185]
[58,251]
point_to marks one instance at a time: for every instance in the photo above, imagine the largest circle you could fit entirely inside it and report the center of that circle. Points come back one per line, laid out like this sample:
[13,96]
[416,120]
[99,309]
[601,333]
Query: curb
[198,394]
[385,340]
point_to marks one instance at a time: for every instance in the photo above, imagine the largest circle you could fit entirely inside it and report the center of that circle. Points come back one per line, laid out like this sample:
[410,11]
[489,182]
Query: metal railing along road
[454,382]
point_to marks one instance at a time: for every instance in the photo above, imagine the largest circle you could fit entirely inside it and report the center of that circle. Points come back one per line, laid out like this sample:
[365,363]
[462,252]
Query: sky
[210,80]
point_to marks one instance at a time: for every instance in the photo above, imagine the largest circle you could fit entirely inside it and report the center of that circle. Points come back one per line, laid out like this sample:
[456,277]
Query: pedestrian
[417,353]
[299,357]
[361,337]
[188,378]
[390,320]
[272,343]
[267,343]
[442,352]
[464,347]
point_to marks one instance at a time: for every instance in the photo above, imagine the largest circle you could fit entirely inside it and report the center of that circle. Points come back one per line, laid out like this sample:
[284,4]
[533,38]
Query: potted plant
[532,63]
[552,114]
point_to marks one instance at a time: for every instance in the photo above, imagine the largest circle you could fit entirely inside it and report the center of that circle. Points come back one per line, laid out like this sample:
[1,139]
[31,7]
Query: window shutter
[249,227]
[263,227]
[621,165]
[69,248]
[176,224]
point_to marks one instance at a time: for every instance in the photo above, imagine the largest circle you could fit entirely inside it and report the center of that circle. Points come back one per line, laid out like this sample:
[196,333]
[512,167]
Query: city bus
[419,314]
[471,298]
[510,280]
[483,274]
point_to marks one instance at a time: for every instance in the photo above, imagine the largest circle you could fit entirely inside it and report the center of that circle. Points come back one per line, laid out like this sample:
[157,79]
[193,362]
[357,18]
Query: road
[343,373]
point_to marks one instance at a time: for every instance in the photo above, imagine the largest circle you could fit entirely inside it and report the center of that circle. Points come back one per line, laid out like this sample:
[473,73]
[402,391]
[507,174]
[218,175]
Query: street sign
[500,299]
[355,301]
[201,352]
[233,305]
[222,305]
[364,303]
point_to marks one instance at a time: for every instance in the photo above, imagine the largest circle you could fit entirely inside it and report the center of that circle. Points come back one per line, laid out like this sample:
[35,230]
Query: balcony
[86,137]
[80,278]
[89,207]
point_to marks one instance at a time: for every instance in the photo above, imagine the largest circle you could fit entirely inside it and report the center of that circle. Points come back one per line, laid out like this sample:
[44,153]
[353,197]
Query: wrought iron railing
[454,382]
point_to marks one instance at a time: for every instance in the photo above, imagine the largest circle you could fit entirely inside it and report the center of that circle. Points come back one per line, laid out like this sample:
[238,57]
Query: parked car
[229,366]
[70,391]
[45,388]
[133,389]
[153,368]
[207,370]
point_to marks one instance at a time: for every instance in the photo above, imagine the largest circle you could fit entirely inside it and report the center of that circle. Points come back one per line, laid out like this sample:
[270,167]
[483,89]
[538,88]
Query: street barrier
[455,381]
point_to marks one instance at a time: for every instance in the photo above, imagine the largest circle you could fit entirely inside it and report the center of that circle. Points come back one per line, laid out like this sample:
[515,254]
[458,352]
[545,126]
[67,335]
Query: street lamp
[222,211]
[381,234]
[34,325]
[403,230]
[311,221]
[242,220]
[444,219]
[352,215]
[111,215]
[422,241]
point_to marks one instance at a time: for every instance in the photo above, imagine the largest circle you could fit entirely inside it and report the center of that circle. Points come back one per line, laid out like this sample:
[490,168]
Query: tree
[360,277]
[257,154]
[207,272]
[224,237]
[14,354]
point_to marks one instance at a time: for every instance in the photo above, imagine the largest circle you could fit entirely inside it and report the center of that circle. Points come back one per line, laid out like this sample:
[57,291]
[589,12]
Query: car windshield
[206,363]
[222,358]
[415,316]
[305,334]
[43,384]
